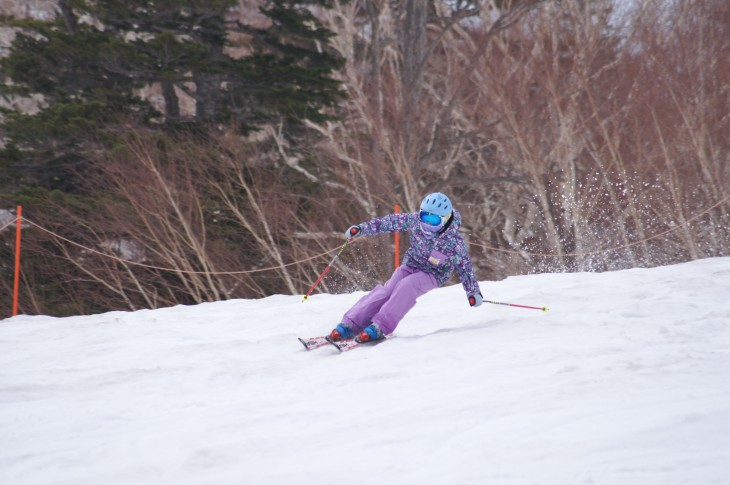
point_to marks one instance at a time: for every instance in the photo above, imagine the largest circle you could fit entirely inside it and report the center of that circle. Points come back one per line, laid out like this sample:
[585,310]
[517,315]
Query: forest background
[174,151]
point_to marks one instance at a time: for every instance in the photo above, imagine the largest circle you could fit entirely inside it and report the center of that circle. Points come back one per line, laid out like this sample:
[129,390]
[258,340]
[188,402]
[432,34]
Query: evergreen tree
[68,65]
[87,73]
[290,73]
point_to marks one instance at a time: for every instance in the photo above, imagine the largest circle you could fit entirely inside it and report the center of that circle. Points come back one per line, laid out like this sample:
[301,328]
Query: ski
[314,342]
[351,343]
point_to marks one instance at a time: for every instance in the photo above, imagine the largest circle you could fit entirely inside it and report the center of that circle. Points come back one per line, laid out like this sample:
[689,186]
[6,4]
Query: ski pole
[543,308]
[325,270]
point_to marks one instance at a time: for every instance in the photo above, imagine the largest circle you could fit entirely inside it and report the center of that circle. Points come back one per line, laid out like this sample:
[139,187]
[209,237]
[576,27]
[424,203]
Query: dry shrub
[188,219]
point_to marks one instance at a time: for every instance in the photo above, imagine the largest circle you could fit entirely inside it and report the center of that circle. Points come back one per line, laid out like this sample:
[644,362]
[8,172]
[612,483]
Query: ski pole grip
[352,232]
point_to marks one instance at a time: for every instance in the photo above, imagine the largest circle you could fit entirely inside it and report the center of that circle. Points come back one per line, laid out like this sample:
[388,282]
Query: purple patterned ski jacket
[439,255]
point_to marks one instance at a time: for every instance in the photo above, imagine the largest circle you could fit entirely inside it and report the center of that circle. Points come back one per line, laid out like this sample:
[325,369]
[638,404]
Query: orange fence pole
[397,242]
[17,260]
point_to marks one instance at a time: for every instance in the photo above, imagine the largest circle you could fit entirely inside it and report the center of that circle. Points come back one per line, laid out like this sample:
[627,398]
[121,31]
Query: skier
[436,249]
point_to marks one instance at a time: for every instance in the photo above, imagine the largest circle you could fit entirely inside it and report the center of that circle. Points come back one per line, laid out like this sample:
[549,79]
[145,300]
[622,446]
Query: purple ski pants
[387,304]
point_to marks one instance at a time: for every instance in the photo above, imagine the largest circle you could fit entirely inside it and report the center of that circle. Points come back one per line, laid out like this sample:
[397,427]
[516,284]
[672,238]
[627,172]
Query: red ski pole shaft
[543,308]
[311,289]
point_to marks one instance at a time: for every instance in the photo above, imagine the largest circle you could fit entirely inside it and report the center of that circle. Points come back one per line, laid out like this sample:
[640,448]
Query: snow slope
[625,381]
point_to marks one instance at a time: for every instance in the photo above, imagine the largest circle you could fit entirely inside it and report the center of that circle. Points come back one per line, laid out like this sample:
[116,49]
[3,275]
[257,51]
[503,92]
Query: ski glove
[353,232]
[476,299]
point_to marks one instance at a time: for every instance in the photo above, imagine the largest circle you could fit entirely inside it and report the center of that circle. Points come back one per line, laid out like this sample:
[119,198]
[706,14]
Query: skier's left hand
[476,299]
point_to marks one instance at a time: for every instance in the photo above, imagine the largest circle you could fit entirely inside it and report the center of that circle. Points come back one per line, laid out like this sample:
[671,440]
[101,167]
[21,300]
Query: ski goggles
[432,219]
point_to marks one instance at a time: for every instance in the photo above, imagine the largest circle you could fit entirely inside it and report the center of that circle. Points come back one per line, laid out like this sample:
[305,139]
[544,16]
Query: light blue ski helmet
[436,210]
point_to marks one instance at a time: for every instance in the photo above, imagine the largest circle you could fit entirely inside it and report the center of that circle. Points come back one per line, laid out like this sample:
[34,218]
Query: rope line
[8,225]
[616,248]
[316,256]
[161,268]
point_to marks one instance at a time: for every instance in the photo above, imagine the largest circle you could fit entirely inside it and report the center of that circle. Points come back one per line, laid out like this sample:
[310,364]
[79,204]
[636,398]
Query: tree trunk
[172,103]
[69,18]
[207,95]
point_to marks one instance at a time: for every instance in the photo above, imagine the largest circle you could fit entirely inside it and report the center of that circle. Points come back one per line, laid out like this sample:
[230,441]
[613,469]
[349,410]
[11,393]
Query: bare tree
[569,137]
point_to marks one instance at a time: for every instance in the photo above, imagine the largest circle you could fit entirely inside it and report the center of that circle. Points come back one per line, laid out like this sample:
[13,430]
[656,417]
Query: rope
[8,225]
[295,263]
[161,268]
[616,248]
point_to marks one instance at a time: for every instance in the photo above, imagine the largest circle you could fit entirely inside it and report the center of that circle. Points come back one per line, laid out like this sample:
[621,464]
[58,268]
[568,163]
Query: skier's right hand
[353,232]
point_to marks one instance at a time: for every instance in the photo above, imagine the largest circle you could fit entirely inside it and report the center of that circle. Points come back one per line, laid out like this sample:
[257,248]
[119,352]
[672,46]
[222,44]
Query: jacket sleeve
[389,223]
[463,266]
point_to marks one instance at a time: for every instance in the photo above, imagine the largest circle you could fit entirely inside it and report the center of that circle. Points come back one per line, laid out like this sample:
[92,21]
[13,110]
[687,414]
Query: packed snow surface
[626,380]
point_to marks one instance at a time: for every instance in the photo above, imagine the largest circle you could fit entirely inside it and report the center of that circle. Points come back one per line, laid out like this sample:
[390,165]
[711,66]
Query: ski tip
[313,342]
